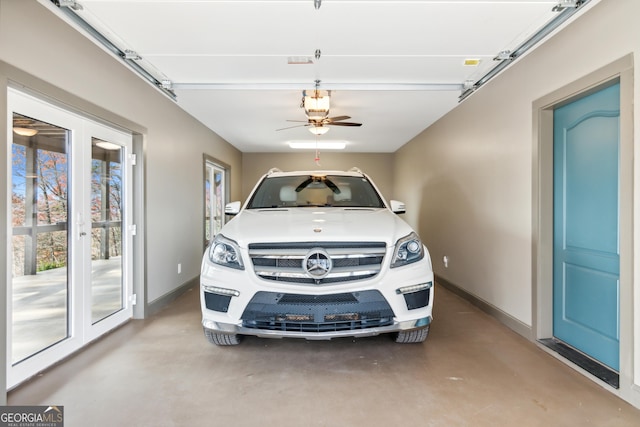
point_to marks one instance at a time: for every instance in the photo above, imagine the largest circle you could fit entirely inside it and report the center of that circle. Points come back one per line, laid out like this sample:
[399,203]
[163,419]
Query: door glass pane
[39,213]
[214,200]
[207,203]
[106,229]
[218,190]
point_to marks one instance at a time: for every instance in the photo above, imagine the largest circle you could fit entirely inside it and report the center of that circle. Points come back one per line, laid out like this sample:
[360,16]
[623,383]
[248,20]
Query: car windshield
[315,190]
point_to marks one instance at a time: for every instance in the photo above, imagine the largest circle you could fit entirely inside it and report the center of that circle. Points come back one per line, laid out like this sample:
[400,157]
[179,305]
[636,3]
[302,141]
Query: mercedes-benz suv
[316,255]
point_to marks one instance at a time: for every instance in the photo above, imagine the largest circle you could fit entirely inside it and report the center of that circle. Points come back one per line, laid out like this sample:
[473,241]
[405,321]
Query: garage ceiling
[394,66]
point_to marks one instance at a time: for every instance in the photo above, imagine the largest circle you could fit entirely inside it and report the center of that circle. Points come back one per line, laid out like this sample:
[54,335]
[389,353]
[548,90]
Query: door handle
[80,223]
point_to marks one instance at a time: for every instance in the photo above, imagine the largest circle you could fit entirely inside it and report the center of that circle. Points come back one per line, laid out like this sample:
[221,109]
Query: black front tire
[222,339]
[412,336]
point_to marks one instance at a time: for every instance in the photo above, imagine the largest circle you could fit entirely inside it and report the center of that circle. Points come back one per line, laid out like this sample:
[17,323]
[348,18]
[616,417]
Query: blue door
[586,257]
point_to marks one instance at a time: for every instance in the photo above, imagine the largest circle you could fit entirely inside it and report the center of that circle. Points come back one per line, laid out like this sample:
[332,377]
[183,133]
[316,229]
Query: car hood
[315,225]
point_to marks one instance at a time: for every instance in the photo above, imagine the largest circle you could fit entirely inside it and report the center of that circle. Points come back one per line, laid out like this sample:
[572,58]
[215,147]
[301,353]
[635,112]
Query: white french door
[70,273]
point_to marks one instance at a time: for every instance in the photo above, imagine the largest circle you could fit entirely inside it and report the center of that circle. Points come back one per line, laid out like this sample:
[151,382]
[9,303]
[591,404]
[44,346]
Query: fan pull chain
[317,159]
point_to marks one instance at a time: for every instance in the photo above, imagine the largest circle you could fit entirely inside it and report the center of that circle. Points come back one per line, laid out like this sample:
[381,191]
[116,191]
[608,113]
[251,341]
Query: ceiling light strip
[110,46]
[321,145]
[326,86]
[524,47]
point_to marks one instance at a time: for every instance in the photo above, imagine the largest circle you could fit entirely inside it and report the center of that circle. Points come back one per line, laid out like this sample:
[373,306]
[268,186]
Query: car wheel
[222,339]
[413,336]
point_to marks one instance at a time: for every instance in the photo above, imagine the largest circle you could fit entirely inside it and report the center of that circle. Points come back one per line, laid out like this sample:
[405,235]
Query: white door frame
[80,329]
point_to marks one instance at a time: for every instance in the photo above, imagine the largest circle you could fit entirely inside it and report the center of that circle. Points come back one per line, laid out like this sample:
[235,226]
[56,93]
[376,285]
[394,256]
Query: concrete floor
[472,371]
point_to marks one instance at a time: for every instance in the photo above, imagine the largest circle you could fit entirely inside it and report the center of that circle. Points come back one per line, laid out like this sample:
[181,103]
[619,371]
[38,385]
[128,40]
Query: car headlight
[408,250]
[225,252]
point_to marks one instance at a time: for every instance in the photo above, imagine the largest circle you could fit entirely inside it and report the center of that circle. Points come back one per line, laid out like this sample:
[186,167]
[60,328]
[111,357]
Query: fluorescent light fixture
[25,131]
[321,145]
[107,145]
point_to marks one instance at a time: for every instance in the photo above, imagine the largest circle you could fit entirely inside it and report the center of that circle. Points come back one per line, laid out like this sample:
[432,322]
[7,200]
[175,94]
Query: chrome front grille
[284,262]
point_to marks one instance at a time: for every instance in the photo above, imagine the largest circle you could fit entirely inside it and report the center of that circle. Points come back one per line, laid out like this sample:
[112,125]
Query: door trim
[542,215]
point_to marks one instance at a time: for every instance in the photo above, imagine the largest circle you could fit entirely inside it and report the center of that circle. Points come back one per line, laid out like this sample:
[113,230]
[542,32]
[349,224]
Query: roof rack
[355,169]
[273,170]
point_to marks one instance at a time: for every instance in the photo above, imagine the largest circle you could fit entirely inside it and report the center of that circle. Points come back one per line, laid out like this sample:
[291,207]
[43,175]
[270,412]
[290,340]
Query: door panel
[106,229]
[590,298]
[586,237]
[39,213]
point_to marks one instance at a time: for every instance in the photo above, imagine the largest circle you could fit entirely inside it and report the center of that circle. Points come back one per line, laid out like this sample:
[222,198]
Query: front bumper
[227,328]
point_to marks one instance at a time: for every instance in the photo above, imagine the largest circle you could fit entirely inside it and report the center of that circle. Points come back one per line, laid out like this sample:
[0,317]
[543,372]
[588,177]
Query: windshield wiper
[323,179]
[304,184]
[331,185]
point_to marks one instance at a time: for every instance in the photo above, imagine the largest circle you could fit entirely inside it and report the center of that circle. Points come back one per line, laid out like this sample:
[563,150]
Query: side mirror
[398,207]
[232,208]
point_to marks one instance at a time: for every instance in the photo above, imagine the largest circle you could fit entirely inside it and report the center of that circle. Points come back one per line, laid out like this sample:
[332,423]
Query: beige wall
[475,191]
[377,165]
[477,163]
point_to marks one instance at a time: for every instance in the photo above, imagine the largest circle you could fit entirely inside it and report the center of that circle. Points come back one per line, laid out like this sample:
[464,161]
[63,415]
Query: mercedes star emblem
[317,264]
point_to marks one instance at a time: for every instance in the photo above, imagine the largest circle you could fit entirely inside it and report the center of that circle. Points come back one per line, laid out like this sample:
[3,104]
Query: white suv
[316,255]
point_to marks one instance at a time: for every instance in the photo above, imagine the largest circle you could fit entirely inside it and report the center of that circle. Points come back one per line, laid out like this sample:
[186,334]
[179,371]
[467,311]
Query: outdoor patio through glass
[41,251]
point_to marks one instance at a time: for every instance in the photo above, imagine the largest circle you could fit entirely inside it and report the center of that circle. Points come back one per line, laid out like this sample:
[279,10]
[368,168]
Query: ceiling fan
[316,103]
[321,123]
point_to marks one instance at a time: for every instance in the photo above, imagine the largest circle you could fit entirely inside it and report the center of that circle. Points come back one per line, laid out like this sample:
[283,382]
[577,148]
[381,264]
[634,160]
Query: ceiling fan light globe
[318,130]
[25,131]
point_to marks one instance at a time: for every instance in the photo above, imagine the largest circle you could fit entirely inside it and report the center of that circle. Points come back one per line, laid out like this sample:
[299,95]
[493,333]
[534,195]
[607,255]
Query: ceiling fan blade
[337,118]
[329,121]
[291,127]
[343,124]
